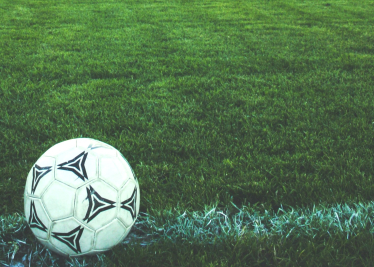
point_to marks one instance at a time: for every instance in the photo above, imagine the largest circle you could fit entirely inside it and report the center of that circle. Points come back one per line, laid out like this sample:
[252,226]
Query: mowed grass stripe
[203,109]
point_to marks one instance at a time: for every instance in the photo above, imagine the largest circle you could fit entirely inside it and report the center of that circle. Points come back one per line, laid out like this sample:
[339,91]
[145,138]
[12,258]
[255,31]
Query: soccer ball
[81,197]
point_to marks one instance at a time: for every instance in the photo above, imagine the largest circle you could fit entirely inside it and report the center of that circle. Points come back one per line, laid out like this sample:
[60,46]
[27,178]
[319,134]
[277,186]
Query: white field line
[211,225]
[208,226]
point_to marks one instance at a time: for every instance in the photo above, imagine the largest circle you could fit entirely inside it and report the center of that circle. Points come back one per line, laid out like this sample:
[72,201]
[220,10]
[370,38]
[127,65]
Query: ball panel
[126,165]
[103,152]
[58,200]
[37,217]
[92,144]
[113,172]
[75,167]
[60,148]
[47,244]
[40,176]
[137,199]
[125,234]
[71,237]
[96,204]
[128,203]
[109,235]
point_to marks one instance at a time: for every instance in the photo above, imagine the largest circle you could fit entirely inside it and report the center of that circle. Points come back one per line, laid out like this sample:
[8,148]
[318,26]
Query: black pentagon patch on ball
[71,239]
[34,220]
[97,204]
[76,165]
[130,204]
[37,174]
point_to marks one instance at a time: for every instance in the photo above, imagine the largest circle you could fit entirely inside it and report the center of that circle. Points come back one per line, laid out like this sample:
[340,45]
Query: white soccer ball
[81,197]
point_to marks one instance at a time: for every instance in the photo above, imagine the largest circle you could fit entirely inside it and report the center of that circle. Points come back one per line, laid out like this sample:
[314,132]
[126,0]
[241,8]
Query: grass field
[249,124]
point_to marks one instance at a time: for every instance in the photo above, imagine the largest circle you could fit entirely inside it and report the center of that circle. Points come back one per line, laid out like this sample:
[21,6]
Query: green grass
[266,104]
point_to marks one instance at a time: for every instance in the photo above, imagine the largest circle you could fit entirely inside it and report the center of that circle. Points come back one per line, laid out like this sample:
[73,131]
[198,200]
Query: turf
[262,103]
